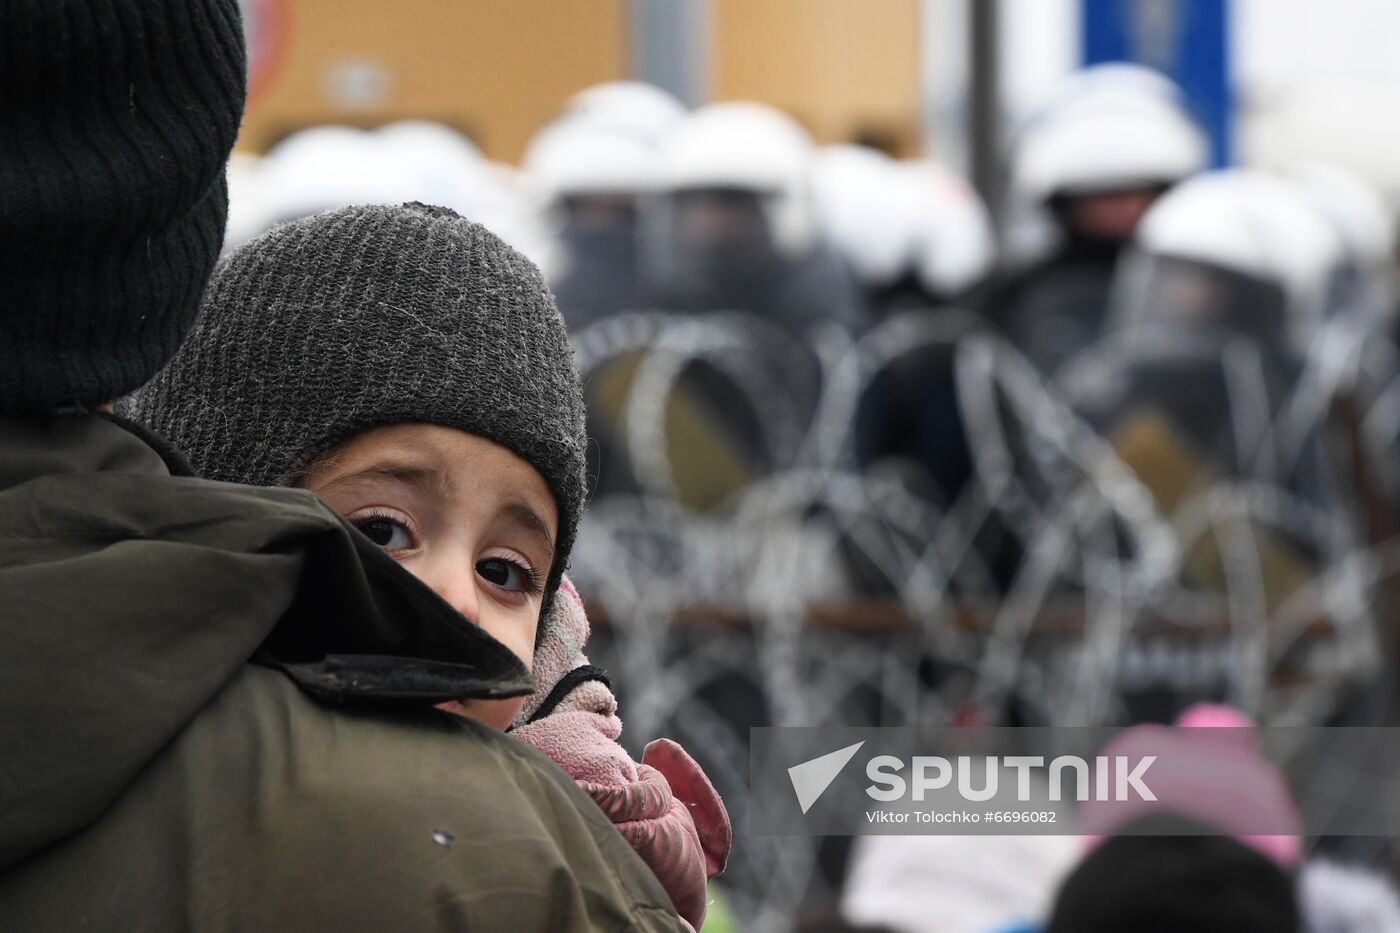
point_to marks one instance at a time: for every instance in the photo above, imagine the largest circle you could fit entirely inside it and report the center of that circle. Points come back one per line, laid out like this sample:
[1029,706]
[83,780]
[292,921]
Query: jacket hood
[133,597]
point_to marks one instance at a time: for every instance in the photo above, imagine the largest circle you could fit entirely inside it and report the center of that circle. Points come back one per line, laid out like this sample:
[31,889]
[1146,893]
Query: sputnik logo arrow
[811,778]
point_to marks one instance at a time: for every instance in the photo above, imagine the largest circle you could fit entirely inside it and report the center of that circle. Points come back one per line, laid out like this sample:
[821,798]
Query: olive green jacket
[215,714]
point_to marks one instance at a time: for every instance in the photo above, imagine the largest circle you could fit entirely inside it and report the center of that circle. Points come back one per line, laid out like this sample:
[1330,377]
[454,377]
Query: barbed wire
[1056,586]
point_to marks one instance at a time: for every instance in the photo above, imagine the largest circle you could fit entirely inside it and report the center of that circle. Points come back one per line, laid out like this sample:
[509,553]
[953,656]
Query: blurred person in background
[590,185]
[915,235]
[1213,317]
[954,884]
[917,238]
[1361,287]
[323,168]
[1234,253]
[626,108]
[1211,777]
[1359,356]
[732,256]
[592,172]
[1193,858]
[1343,898]
[218,700]
[737,231]
[1107,144]
[1173,883]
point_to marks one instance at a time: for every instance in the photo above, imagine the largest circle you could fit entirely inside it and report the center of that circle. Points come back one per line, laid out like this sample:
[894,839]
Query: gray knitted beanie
[358,318]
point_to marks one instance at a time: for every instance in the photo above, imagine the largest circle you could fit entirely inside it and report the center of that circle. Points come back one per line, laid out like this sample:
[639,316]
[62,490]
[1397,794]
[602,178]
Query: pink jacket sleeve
[665,806]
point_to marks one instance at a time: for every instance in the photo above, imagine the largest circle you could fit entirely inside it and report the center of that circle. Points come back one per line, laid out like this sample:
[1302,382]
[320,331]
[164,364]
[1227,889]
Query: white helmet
[1355,209]
[570,158]
[627,108]
[1363,279]
[248,213]
[425,136]
[1250,224]
[433,163]
[862,204]
[1109,81]
[748,147]
[497,197]
[326,167]
[1114,127]
[438,165]
[891,218]
[955,246]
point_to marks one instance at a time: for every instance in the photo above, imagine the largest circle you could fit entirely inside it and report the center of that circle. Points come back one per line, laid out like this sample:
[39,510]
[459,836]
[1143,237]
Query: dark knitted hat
[1172,883]
[117,119]
[368,316]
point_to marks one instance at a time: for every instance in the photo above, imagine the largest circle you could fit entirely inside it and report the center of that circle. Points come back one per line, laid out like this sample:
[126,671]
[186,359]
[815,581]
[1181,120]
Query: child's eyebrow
[531,519]
[419,477]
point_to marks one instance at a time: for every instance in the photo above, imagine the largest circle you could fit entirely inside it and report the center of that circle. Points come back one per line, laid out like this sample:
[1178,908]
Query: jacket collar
[358,627]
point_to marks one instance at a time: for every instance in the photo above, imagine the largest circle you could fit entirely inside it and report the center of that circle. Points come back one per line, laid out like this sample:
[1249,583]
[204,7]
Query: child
[412,370]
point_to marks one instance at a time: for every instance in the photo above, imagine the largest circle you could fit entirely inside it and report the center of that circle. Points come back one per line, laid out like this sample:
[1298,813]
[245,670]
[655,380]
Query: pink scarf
[665,806]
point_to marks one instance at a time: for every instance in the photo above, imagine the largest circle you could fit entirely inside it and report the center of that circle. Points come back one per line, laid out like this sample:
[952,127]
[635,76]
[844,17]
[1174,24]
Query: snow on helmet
[748,147]
[627,108]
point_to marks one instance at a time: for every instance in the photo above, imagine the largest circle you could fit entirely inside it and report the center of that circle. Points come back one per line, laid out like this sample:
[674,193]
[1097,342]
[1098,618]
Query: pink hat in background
[1208,770]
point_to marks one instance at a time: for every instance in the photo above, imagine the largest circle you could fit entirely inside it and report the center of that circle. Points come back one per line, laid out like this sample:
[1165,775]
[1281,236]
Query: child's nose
[458,586]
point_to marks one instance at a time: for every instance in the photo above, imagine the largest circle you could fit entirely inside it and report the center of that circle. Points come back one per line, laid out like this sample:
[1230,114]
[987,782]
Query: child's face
[464,515]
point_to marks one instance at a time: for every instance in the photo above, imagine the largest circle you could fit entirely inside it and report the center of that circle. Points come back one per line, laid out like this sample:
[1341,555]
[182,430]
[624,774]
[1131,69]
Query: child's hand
[690,785]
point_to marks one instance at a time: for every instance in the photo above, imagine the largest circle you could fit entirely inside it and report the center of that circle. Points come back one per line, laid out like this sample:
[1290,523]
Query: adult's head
[117,123]
[1168,883]
[738,179]
[1106,143]
[590,168]
[589,178]
[1228,253]
[592,186]
[412,369]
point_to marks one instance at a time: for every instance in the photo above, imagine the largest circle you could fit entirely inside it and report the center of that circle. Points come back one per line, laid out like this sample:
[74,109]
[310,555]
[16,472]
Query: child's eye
[508,575]
[385,531]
